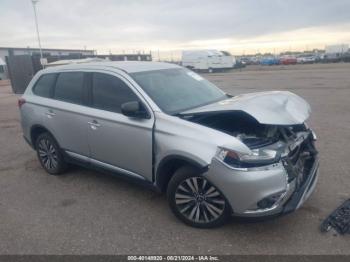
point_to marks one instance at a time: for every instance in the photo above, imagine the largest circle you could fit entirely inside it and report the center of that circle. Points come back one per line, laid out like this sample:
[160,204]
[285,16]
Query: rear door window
[110,92]
[69,87]
[44,85]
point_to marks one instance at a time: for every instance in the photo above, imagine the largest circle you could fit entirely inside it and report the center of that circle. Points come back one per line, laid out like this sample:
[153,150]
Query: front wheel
[195,201]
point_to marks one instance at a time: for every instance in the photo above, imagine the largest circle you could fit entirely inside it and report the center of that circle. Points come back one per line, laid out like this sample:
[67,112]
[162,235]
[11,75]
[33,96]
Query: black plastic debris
[339,220]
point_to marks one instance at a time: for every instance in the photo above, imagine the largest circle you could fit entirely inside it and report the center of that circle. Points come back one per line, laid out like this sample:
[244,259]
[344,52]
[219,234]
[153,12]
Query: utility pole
[34,2]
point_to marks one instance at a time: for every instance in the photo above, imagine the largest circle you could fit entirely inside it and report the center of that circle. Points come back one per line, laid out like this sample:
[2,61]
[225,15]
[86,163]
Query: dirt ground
[85,212]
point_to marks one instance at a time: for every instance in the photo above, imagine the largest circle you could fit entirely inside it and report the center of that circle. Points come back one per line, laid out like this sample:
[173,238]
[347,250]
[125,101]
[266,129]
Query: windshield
[176,90]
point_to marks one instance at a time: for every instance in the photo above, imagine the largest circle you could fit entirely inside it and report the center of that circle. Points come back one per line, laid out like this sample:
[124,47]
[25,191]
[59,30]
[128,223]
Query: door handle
[94,124]
[50,113]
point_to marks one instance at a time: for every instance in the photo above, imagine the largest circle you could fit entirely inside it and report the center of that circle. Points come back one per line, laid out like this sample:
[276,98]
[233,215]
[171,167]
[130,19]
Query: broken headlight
[257,157]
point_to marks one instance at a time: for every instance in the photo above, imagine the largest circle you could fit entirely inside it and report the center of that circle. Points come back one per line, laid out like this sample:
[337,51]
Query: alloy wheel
[48,154]
[198,200]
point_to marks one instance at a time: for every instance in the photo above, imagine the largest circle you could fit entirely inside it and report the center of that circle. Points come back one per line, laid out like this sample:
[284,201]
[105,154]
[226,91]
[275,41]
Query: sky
[116,26]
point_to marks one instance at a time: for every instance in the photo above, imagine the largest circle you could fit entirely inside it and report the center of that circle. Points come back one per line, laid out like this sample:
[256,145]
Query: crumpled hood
[272,108]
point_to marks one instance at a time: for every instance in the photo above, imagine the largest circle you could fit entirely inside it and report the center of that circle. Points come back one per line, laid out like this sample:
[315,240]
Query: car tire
[50,154]
[196,201]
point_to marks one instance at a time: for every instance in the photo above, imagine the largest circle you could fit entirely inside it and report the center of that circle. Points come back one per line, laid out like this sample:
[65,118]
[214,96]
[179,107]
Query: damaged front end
[276,177]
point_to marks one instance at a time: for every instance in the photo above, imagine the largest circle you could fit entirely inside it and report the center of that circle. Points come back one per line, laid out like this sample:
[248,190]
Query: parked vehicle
[336,49]
[254,60]
[207,60]
[270,60]
[239,64]
[288,60]
[306,59]
[250,60]
[215,155]
[336,53]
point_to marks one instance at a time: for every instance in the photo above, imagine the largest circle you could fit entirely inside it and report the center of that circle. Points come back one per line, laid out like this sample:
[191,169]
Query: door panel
[66,114]
[114,138]
[68,126]
[121,141]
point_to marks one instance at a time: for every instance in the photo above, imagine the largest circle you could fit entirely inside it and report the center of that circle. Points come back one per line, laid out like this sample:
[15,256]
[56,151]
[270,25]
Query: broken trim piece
[339,220]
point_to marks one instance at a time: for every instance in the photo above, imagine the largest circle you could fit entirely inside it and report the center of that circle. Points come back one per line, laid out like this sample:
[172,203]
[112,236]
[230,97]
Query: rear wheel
[196,201]
[49,154]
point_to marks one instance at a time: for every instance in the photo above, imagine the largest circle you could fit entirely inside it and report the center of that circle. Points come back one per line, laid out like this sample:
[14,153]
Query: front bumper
[243,189]
[304,191]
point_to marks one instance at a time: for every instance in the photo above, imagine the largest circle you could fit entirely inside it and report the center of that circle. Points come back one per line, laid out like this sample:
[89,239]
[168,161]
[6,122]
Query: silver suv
[215,155]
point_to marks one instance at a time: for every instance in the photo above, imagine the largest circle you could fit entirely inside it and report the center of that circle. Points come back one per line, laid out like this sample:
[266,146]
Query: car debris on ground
[339,220]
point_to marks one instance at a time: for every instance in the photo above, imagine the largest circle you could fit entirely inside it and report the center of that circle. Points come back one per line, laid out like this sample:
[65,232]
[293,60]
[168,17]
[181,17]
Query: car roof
[126,66]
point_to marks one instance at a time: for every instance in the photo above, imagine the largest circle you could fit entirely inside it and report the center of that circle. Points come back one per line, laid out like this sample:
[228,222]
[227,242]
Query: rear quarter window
[44,85]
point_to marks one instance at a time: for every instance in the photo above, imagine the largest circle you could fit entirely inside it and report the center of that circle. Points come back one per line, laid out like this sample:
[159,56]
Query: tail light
[21,102]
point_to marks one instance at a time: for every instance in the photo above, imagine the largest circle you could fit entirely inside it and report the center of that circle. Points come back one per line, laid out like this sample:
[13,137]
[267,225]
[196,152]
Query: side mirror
[134,109]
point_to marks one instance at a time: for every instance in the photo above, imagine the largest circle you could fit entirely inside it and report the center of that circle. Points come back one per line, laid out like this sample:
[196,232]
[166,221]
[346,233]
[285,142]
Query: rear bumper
[244,189]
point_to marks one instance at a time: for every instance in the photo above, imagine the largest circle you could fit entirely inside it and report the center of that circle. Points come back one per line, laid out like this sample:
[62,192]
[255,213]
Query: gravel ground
[85,212]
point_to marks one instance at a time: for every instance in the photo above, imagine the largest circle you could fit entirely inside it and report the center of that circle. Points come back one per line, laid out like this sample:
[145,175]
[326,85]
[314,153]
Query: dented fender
[176,136]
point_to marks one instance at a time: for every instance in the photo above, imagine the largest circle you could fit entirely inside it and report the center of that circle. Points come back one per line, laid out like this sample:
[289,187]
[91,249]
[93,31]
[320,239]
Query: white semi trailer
[337,49]
[207,60]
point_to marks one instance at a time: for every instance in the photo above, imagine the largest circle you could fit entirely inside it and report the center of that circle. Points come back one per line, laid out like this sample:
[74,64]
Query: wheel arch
[35,131]
[168,165]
